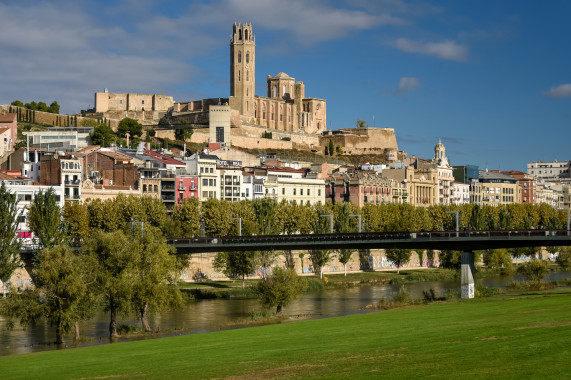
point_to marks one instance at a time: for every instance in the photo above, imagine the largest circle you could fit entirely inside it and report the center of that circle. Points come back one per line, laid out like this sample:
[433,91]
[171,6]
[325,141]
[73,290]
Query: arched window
[247,57]
[144,188]
[239,56]
[246,34]
[240,34]
[239,76]
[247,75]
[275,91]
[284,90]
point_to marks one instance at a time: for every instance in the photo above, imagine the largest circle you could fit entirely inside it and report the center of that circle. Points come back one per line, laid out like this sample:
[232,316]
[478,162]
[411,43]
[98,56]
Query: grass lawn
[513,336]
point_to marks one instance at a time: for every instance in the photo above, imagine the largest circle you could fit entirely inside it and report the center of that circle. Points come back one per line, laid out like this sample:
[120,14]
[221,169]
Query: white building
[460,193]
[549,170]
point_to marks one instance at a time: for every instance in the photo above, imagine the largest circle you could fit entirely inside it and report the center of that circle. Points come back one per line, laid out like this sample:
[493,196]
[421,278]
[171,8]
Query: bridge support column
[467,268]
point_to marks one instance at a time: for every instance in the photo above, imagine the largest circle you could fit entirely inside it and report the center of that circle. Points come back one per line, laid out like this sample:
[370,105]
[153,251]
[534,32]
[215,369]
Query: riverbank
[515,336]
[235,289]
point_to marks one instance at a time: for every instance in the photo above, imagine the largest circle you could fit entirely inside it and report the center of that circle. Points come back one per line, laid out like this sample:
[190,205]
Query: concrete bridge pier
[467,273]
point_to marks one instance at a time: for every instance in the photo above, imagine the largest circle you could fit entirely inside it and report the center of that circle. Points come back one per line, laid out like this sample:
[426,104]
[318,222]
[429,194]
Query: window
[300,191]
[142,102]
[308,192]
[204,182]
[211,170]
[294,191]
[144,188]
[156,188]
[247,75]
[283,190]
[121,101]
[202,170]
[247,57]
[239,57]
[284,90]
[211,182]
[319,192]
[275,91]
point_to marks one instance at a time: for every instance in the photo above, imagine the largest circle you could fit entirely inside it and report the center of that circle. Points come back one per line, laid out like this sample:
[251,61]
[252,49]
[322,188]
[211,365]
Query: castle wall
[57,120]
[364,140]
[105,101]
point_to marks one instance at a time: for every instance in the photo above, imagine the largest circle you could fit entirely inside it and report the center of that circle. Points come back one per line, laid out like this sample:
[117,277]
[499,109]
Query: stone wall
[365,260]
[363,140]
[56,120]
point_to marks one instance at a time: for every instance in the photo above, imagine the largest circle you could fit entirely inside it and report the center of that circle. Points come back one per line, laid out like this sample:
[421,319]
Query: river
[212,315]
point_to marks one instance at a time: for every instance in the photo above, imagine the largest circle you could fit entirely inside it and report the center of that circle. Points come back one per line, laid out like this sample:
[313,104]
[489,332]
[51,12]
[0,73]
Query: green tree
[534,270]
[46,220]
[361,123]
[54,107]
[235,264]
[187,216]
[9,243]
[280,288]
[216,214]
[331,148]
[116,258]
[319,258]
[103,135]
[499,259]
[450,259]
[131,127]
[183,134]
[345,223]
[154,284]
[398,256]
[62,292]
[42,107]
[564,258]
[17,103]
[76,216]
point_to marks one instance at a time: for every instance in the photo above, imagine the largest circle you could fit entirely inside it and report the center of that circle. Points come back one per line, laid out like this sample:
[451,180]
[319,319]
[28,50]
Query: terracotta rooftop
[164,159]
[8,117]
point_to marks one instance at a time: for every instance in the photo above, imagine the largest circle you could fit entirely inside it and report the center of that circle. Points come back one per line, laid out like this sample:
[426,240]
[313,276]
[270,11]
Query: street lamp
[457,221]
[330,221]
[239,225]
[359,220]
[568,217]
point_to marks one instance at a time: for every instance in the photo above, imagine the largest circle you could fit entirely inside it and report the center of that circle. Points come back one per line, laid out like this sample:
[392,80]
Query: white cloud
[561,91]
[445,50]
[57,52]
[407,84]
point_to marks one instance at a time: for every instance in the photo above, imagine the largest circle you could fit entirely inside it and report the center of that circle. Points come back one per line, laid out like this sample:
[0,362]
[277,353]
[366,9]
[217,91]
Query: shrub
[534,270]
[402,296]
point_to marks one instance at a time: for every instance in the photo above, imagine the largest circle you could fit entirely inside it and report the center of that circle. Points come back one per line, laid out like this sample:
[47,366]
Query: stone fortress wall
[363,140]
[59,120]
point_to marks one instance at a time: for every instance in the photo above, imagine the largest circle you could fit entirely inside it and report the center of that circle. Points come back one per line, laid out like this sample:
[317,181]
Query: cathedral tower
[242,69]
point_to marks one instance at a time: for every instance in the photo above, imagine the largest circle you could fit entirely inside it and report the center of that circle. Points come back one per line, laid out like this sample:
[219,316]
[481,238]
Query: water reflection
[212,315]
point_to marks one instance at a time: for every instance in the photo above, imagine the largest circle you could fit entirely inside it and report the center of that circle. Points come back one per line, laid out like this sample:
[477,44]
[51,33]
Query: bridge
[465,241]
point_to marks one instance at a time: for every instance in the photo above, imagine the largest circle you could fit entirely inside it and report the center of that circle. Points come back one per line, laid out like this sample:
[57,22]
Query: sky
[491,79]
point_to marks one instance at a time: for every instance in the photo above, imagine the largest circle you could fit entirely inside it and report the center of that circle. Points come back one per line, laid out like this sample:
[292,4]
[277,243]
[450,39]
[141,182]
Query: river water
[212,315]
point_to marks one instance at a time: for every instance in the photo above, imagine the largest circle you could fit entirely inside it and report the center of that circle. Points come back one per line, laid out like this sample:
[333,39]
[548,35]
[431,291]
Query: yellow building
[499,189]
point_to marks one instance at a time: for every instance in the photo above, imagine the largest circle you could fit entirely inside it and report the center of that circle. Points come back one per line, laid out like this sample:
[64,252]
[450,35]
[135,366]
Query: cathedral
[285,107]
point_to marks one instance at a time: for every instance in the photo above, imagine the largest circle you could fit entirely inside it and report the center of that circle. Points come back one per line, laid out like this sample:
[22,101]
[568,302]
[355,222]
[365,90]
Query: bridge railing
[402,235]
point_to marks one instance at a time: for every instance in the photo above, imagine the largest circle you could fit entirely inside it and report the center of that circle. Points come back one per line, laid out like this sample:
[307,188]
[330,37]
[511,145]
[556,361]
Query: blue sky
[491,79]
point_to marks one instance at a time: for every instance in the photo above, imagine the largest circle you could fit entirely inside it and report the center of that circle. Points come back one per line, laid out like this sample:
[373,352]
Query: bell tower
[243,68]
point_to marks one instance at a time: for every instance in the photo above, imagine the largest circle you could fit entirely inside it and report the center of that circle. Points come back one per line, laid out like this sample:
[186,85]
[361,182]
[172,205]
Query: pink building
[186,187]
[8,132]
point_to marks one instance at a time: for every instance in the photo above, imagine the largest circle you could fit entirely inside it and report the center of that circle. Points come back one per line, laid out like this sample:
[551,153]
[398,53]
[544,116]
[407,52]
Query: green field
[513,336]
